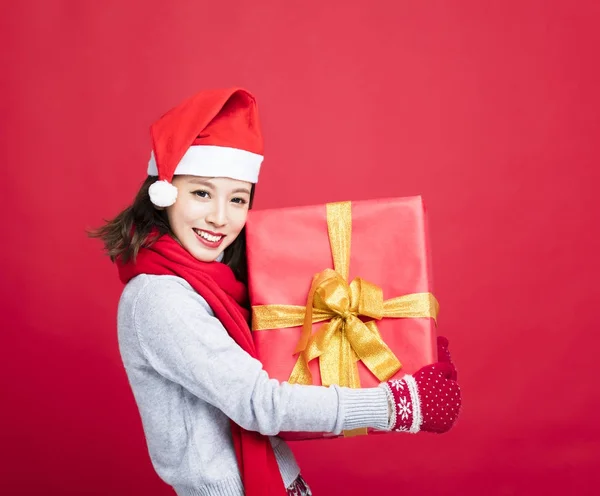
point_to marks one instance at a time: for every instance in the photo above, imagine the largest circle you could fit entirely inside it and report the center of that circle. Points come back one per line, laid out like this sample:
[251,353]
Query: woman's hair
[132,229]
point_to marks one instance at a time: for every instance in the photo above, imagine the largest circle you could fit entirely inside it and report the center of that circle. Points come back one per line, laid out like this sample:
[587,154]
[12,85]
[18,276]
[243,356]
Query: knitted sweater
[189,378]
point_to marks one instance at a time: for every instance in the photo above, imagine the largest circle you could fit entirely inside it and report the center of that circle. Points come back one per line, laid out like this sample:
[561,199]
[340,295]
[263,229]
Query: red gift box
[362,269]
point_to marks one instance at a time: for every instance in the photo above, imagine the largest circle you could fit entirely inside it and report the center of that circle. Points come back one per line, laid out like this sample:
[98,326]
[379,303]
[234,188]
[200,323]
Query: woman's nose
[217,216]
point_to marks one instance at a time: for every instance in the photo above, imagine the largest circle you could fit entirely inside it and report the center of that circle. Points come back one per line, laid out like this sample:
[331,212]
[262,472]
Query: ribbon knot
[347,315]
[345,338]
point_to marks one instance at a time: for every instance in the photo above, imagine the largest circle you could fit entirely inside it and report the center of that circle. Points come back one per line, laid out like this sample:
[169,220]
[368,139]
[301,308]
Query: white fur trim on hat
[216,161]
[162,193]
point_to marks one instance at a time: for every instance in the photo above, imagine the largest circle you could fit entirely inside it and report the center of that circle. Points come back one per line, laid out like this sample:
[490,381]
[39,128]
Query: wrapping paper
[387,247]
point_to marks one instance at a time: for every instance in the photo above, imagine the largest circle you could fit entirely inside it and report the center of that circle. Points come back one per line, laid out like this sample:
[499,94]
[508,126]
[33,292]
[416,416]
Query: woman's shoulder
[153,291]
[148,285]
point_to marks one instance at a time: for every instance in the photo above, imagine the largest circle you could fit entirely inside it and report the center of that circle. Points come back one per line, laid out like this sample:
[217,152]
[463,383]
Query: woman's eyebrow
[199,180]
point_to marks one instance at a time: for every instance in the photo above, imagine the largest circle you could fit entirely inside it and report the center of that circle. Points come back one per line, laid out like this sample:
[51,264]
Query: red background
[489,110]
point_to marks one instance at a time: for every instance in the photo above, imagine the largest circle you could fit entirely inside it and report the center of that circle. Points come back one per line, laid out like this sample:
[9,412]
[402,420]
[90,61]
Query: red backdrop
[490,111]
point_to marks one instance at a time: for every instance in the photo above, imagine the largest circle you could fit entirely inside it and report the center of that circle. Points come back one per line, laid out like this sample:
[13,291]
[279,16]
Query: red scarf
[217,284]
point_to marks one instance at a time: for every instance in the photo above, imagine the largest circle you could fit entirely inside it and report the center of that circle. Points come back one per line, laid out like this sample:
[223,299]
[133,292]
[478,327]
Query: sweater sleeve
[182,340]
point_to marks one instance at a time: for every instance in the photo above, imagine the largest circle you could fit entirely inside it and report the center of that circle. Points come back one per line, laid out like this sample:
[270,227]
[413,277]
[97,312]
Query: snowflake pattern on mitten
[405,409]
[397,384]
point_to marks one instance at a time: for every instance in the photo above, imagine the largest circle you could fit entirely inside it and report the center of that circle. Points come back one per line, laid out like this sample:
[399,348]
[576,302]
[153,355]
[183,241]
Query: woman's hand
[429,400]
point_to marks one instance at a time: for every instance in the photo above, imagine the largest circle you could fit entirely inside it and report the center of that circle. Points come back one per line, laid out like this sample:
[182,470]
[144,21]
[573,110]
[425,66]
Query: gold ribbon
[346,338]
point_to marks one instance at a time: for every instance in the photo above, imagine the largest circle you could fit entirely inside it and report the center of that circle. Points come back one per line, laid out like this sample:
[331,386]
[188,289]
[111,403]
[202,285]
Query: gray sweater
[189,378]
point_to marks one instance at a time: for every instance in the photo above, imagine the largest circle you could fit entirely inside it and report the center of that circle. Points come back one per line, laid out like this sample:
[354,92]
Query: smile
[210,239]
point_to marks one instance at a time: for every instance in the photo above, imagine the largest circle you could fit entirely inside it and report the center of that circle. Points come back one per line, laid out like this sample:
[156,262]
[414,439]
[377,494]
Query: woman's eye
[239,200]
[201,193]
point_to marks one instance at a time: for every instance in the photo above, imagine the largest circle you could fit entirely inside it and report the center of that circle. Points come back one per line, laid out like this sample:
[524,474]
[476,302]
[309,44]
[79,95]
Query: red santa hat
[215,133]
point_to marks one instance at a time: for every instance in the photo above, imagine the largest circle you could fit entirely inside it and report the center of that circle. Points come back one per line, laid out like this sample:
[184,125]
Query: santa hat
[215,133]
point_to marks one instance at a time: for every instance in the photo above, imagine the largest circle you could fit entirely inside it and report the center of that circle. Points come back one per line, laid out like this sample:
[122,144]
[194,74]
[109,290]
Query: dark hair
[132,229]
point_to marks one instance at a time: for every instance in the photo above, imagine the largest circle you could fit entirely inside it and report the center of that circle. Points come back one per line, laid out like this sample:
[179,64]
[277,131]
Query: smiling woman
[209,214]
[211,413]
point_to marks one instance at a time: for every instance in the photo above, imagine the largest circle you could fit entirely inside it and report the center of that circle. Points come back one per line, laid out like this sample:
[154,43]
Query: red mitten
[429,400]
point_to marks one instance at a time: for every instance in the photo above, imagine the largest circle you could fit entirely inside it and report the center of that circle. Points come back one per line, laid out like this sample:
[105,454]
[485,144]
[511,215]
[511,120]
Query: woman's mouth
[210,239]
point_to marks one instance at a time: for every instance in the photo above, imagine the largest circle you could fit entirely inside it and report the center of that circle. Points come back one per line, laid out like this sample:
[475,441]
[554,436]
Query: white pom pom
[162,193]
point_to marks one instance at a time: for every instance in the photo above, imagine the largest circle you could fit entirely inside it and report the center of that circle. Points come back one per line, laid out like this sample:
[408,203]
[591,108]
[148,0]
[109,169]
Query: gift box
[341,293]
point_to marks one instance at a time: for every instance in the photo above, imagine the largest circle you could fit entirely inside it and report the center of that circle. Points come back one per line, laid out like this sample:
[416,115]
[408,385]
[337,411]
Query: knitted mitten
[429,400]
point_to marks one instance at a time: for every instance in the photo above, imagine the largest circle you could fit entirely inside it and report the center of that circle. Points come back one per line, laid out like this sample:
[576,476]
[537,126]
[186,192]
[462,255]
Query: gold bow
[346,338]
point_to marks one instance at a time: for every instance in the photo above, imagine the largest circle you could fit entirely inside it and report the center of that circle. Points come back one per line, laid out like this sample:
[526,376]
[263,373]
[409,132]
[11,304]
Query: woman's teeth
[208,237]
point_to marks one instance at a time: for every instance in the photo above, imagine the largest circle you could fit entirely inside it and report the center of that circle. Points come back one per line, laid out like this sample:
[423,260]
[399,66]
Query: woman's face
[209,214]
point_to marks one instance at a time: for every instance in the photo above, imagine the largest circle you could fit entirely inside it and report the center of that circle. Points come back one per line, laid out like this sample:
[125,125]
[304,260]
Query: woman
[210,412]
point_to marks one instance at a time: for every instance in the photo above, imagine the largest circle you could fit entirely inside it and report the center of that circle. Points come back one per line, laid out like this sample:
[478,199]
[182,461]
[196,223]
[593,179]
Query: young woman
[210,413]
